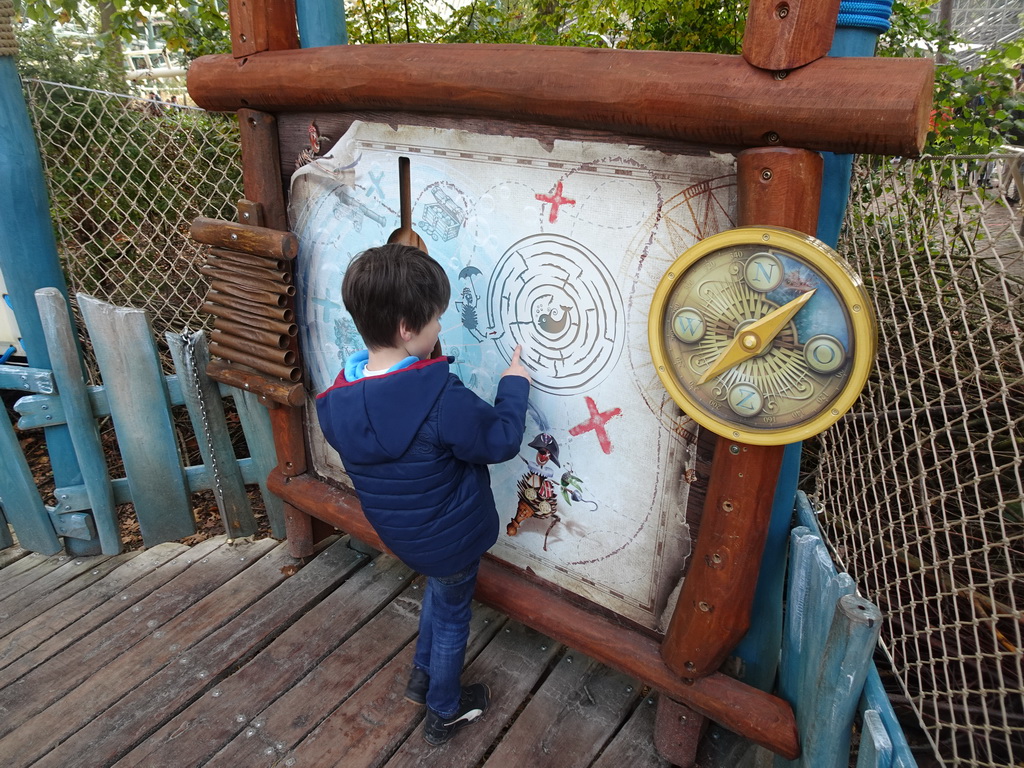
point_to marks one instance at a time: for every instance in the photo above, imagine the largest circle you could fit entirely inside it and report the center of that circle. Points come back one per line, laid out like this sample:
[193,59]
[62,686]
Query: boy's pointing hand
[516,368]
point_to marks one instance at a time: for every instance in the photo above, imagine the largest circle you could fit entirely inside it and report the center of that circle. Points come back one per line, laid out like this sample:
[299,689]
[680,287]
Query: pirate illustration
[538,491]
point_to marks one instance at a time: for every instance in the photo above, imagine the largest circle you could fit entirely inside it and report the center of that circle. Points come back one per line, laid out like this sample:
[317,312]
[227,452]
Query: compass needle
[756,337]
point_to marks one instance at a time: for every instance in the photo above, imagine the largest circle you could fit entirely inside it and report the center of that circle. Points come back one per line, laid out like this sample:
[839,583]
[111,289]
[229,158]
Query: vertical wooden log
[261,166]
[785,34]
[713,611]
[776,187]
[262,25]
[62,342]
[206,412]
[261,170]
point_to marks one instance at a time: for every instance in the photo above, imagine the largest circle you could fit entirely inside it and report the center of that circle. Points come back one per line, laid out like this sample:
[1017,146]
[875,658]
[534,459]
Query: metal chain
[190,355]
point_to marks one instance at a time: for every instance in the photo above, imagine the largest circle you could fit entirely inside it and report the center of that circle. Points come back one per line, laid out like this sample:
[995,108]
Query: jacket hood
[389,408]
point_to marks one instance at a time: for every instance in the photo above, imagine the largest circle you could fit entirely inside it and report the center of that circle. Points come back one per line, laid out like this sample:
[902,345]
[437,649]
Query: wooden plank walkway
[235,654]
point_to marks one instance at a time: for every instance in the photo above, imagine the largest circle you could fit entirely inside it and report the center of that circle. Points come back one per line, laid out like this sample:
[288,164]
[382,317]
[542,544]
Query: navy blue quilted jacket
[416,443]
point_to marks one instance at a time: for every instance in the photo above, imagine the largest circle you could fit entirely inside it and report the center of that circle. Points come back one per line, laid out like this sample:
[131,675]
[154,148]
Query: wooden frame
[773,97]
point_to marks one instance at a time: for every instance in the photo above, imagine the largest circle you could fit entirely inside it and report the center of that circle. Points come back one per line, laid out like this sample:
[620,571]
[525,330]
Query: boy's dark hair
[394,282]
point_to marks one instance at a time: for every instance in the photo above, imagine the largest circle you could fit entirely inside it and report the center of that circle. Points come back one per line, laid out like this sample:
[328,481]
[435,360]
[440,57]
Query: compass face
[762,334]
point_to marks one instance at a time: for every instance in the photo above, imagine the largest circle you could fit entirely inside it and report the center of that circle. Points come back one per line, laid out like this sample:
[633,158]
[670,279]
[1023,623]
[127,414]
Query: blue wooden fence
[137,397]
[826,671]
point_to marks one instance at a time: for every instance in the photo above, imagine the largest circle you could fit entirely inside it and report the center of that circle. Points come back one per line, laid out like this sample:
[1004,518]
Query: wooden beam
[762,718]
[874,105]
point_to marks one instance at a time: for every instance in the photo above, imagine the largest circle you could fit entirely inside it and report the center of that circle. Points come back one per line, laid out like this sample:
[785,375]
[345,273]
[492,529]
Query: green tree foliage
[194,28]
[681,25]
[975,110]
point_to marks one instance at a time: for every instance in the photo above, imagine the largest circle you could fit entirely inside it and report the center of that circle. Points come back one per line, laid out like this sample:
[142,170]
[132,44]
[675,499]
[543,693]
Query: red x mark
[555,200]
[596,422]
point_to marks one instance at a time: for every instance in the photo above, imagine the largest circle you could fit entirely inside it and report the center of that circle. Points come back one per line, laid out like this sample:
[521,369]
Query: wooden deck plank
[371,724]
[48,707]
[217,662]
[23,573]
[510,665]
[13,554]
[29,633]
[209,659]
[13,668]
[45,593]
[224,711]
[282,725]
[633,745]
[570,719]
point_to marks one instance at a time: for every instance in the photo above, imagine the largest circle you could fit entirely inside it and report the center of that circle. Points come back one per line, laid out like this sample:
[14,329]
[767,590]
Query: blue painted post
[857,29]
[28,250]
[321,22]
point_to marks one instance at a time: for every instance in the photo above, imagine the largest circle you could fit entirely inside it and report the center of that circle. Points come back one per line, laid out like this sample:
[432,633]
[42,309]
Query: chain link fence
[920,486]
[126,178]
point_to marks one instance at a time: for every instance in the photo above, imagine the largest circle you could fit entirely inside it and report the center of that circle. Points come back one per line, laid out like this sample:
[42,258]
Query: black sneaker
[416,690]
[437,730]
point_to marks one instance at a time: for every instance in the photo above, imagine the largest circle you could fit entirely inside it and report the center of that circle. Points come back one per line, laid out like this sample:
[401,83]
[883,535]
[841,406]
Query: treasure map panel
[557,246]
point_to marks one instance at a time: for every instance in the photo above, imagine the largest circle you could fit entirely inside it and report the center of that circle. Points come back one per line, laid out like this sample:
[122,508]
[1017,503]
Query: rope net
[126,178]
[920,485]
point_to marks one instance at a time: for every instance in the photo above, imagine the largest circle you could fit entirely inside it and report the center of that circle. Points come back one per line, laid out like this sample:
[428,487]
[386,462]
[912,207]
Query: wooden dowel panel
[265,352]
[258,335]
[247,281]
[270,298]
[239,305]
[252,270]
[286,372]
[249,259]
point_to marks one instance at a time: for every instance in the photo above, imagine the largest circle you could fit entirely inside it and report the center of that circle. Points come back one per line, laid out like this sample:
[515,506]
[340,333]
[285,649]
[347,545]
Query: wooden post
[775,187]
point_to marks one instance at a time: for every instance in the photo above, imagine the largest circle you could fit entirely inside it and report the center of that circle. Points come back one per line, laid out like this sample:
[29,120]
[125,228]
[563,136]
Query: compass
[764,335]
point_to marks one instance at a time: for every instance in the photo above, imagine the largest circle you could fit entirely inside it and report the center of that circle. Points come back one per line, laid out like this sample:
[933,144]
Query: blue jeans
[444,632]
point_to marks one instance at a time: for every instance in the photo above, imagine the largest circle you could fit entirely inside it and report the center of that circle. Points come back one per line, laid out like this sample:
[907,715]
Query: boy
[416,444]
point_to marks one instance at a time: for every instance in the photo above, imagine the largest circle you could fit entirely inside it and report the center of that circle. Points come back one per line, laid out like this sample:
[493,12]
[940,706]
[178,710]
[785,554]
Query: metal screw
[781,74]
[766,174]
[704,606]
[734,449]
[782,11]
[772,137]
[243,38]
